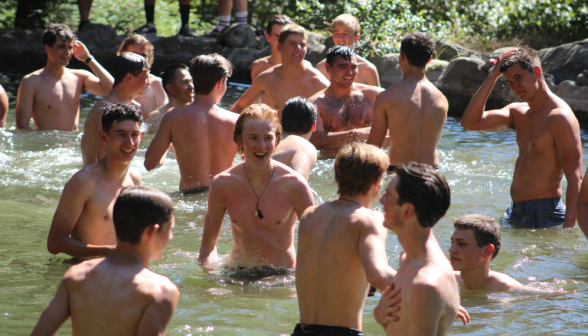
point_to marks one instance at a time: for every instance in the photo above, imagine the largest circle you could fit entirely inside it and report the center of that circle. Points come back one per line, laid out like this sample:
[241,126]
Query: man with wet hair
[475,242]
[119,295]
[298,122]
[82,225]
[131,78]
[345,107]
[294,77]
[346,32]
[272,35]
[548,136]
[51,96]
[341,247]
[179,87]
[262,196]
[414,201]
[414,110]
[201,126]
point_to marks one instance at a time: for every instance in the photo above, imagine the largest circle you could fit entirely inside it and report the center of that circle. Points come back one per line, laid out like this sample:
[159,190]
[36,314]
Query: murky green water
[35,166]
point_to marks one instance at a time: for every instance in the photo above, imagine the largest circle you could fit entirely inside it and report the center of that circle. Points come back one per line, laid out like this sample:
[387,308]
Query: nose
[452,249]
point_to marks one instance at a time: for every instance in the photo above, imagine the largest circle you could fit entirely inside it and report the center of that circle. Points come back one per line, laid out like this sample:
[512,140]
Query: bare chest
[277,92]
[534,137]
[58,96]
[355,111]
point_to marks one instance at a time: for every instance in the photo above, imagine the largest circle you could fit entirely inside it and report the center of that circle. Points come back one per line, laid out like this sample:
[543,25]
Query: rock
[329,43]
[462,76]
[262,43]
[435,69]
[316,48]
[445,50]
[501,51]
[576,96]
[566,61]
[237,36]
[388,69]
[582,79]
[242,59]
[100,39]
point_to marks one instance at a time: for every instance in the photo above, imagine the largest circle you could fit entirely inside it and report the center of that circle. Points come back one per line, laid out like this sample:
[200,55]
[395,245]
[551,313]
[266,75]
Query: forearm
[76,248]
[236,108]
[572,192]
[382,277]
[582,212]
[88,150]
[475,110]
[106,80]
[331,140]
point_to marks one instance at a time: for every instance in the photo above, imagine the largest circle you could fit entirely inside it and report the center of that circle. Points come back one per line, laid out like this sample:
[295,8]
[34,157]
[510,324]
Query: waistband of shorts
[327,330]
[391,168]
[537,203]
[195,190]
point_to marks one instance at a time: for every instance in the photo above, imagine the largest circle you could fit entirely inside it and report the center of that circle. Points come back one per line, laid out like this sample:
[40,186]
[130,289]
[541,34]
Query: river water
[34,166]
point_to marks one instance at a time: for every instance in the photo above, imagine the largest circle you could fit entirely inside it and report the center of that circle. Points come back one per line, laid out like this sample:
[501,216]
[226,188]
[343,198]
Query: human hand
[462,314]
[498,62]
[388,305]
[80,51]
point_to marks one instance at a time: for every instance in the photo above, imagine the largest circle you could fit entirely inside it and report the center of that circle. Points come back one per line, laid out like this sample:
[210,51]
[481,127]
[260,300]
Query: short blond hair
[290,29]
[137,39]
[347,20]
[259,112]
[357,167]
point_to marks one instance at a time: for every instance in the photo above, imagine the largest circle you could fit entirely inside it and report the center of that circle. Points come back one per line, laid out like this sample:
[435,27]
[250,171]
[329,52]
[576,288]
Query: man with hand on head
[119,295]
[82,225]
[51,96]
[298,123]
[262,196]
[341,247]
[201,126]
[131,78]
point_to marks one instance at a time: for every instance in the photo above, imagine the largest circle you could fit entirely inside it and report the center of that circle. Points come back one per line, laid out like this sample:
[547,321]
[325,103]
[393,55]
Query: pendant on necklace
[258,214]
[255,213]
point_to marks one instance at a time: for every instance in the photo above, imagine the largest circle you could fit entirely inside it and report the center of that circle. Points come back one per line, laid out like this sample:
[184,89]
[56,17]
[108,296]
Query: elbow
[53,246]
[148,165]
[378,280]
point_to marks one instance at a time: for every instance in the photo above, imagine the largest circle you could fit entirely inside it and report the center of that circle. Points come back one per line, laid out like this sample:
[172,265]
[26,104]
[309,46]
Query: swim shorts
[195,190]
[391,169]
[538,213]
[322,330]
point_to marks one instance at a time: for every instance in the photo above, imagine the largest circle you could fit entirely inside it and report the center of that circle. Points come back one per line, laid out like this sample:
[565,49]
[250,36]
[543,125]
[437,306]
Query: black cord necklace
[257,211]
[348,200]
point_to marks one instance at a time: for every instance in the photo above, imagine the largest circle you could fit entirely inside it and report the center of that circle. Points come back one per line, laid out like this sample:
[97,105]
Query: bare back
[297,153]
[415,112]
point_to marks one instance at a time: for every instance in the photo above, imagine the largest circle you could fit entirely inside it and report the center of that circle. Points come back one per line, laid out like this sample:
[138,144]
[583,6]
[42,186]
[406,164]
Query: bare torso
[367,72]
[152,122]
[496,281]
[297,153]
[154,97]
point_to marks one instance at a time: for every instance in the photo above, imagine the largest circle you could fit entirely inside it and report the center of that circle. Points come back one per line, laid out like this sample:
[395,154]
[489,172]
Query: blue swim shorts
[538,213]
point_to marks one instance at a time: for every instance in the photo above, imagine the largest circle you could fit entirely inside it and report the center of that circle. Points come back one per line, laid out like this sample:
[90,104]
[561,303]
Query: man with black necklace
[262,196]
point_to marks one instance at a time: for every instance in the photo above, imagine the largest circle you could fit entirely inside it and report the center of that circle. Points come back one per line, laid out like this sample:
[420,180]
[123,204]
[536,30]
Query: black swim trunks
[322,330]
[195,190]
[255,273]
[391,169]
[538,213]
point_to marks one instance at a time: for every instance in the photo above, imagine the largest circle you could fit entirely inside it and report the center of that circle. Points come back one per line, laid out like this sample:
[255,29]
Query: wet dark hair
[525,56]
[342,51]
[138,207]
[358,167]
[418,49]
[298,116]
[279,19]
[117,112]
[168,75]
[486,230]
[426,189]
[128,62]
[57,31]
[207,70]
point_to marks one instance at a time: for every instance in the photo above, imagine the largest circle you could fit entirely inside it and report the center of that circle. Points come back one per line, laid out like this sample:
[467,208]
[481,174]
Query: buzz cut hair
[290,29]
[486,230]
[349,21]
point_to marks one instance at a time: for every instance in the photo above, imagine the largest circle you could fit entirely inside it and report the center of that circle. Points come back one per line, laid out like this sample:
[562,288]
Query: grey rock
[388,69]
[576,96]
[242,59]
[445,50]
[582,79]
[237,36]
[566,61]
[262,43]
[316,48]
[435,69]
[100,39]
[462,76]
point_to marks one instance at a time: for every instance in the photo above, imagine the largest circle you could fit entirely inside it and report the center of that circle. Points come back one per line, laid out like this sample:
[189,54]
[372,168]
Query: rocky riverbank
[457,71]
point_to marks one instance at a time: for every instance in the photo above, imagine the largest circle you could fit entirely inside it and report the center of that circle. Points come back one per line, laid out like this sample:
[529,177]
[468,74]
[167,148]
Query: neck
[121,93]
[339,91]
[410,72]
[414,240]
[54,69]
[115,170]
[174,102]
[257,174]
[292,70]
[366,201]
[204,101]
[276,57]
[133,254]
[542,99]
[476,278]
[304,136]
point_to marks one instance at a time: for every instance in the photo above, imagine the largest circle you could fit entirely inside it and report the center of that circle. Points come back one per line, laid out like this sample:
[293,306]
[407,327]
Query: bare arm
[301,196]
[304,161]
[388,305]
[24,103]
[90,137]
[3,106]
[582,209]
[331,140]
[370,74]
[158,314]
[214,220]
[55,314]
[372,252]
[155,155]
[379,124]
[102,85]
[76,193]
[251,96]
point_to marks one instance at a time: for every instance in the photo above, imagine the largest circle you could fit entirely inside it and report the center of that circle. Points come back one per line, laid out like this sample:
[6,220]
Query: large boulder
[462,76]
[238,36]
[100,39]
[447,51]
[435,69]
[388,69]
[242,59]
[576,96]
[566,61]
[316,48]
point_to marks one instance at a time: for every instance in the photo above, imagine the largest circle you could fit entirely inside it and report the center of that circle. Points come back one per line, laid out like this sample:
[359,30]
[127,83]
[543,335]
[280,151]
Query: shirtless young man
[82,225]
[262,196]
[201,127]
[345,108]
[298,123]
[346,32]
[548,136]
[179,86]
[341,247]
[475,242]
[119,295]
[415,199]
[294,77]
[131,78]
[52,95]
[414,110]
[272,35]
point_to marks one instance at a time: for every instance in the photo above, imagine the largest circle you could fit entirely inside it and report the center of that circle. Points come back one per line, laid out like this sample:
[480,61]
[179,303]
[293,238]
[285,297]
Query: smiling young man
[294,77]
[345,109]
[201,133]
[131,78]
[262,196]
[119,295]
[82,225]
[51,96]
[474,244]
[346,32]
[179,87]
[548,136]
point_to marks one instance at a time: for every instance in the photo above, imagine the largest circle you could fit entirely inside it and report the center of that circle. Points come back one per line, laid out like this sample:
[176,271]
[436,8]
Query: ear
[313,129]
[267,37]
[46,47]
[357,37]
[169,88]
[328,67]
[488,250]
[407,210]
[129,77]
[219,84]
[377,184]
[280,46]
[538,71]
[150,231]
[102,136]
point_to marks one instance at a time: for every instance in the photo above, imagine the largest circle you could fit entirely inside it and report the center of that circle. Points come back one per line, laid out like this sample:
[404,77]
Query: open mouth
[260,155]
[128,151]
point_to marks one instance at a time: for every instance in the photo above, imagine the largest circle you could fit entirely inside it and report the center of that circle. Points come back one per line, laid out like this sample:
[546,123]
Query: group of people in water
[338,109]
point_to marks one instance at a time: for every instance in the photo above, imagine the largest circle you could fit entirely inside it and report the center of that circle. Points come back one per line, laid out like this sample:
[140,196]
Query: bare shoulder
[157,286]
[227,178]
[309,213]
[82,180]
[315,73]
[288,176]
[135,176]
[369,90]
[503,282]
[155,79]
[317,97]
[368,219]
[78,272]
[32,79]
[364,63]
[517,108]
[227,116]
[261,62]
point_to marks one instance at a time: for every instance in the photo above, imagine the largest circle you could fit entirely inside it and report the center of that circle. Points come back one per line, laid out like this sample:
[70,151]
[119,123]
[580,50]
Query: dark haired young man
[414,110]
[341,247]
[51,96]
[179,87]
[475,242]
[548,136]
[298,123]
[272,35]
[294,77]
[131,78]
[345,108]
[119,295]
[82,225]
[415,199]
[201,127]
